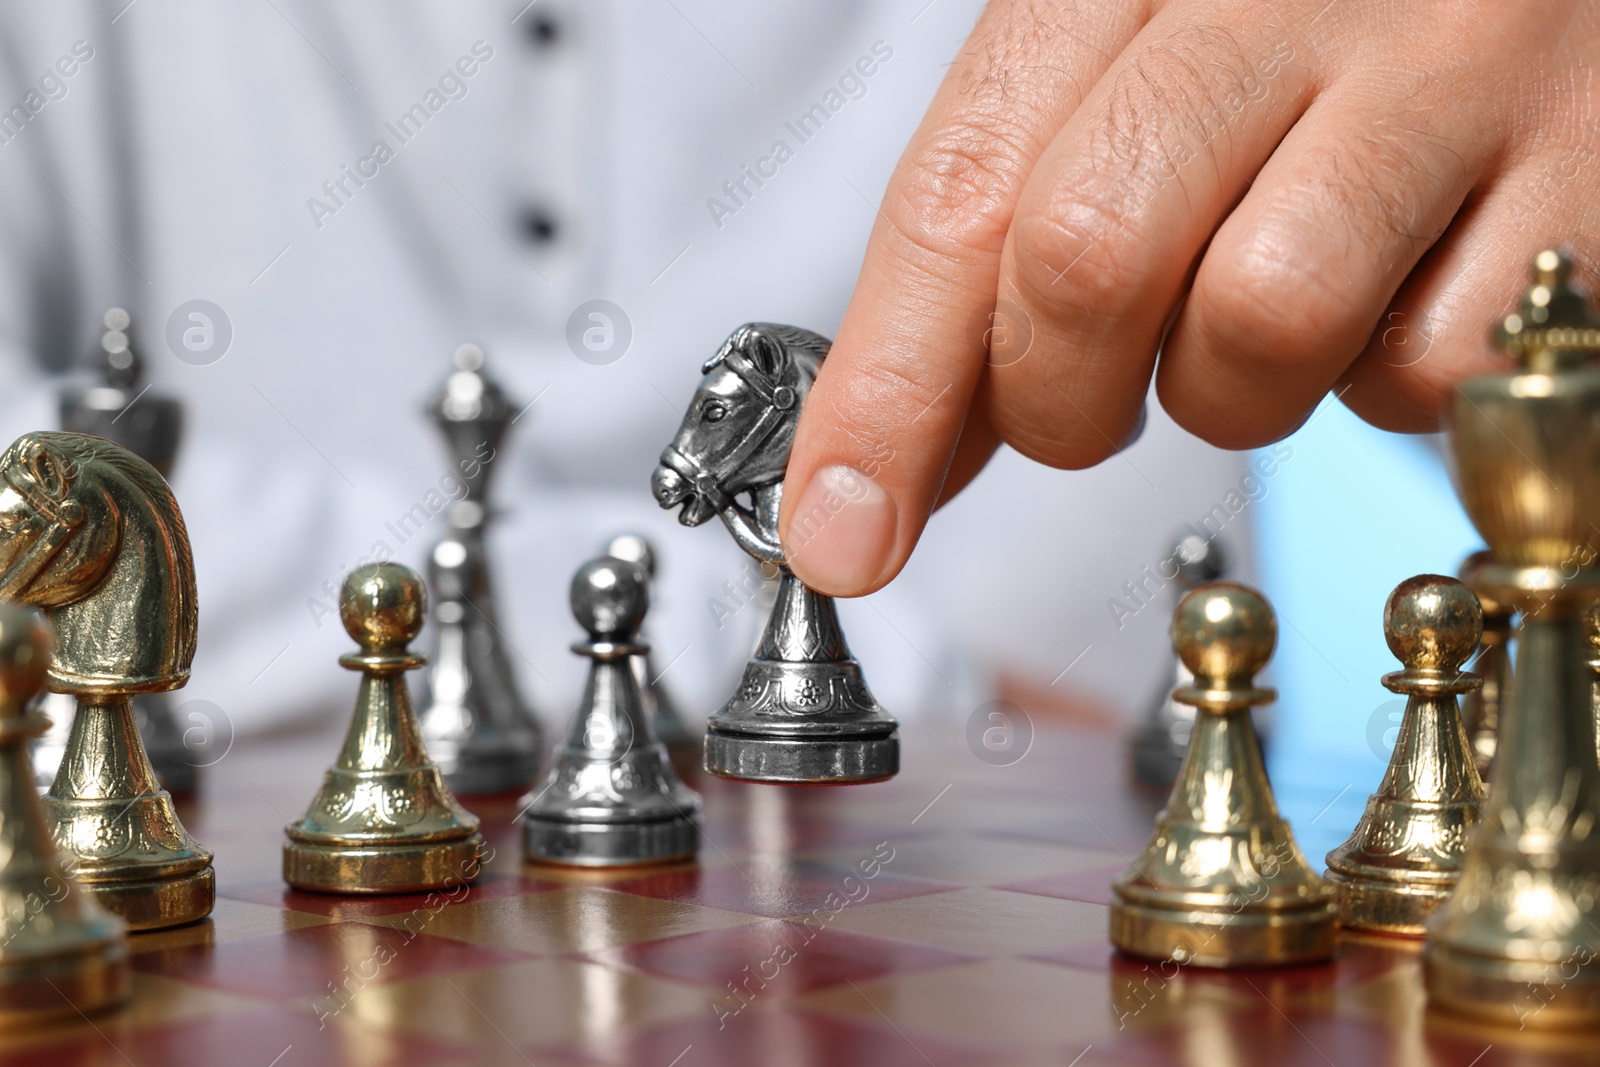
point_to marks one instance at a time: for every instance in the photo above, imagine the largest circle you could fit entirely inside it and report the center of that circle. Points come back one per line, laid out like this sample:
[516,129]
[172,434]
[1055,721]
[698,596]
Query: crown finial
[1555,326]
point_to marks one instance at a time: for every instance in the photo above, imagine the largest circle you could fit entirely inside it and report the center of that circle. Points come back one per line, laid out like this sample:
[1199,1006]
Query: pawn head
[382,606]
[1432,623]
[634,549]
[1224,632]
[24,657]
[610,597]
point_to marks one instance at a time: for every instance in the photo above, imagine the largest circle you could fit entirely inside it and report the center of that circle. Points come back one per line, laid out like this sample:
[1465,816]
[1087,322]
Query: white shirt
[361,186]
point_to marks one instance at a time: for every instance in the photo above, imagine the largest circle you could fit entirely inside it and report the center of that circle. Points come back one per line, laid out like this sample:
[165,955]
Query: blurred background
[348,192]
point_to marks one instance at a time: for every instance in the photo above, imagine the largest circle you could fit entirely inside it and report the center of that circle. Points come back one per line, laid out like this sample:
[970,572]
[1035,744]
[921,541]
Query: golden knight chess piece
[95,538]
[60,953]
[1517,941]
[1222,882]
[1480,710]
[384,821]
[1404,856]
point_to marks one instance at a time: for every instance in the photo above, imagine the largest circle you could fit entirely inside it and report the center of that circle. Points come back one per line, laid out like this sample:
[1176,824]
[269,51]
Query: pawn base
[158,902]
[612,844]
[1551,994]
[822,760]
[1207,938]
[478,773]
[378,869]
[1387,906]
[91,980]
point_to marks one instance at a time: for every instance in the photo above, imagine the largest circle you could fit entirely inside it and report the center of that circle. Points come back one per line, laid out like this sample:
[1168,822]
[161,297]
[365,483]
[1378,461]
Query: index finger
[881,425]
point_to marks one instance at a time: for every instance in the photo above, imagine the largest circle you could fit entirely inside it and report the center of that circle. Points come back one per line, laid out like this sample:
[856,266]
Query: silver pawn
[476,726]
[666,720]
[123,409]
[1162,738]
[611,797]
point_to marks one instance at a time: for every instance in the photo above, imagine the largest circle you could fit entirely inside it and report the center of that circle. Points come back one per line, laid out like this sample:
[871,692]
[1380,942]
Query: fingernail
[840,533]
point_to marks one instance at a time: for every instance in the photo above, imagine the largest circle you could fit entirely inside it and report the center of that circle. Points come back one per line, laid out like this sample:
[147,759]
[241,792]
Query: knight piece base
[90,980]
[1550,994]
[1387,906]
[377,869]
[613,844]
[753,757]
[1206,937]
[157,903]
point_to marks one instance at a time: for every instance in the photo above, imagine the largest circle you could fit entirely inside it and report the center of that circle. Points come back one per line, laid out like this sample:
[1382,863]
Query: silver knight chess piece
[476,725]
[1160,741]
[802,712]
[670,727]
[121,407]
[611,797]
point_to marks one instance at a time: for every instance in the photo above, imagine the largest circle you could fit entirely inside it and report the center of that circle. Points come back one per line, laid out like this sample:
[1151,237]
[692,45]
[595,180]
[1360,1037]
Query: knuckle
[956,189]
[1080,255]
[1266,304]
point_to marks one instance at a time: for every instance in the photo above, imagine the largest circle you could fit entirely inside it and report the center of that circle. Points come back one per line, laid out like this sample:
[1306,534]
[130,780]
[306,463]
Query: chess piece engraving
[1480,710]
[1163,737]
[476,725]
[383,821]
[60,952]
[611,797]
[1222,882]
[660,709]
[1517,941]
[123,409]
[802,712]
[96,540]
[1405,854]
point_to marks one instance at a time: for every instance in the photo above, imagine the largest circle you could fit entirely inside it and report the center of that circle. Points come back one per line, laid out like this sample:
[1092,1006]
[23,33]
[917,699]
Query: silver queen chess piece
[802,712]
[476,725]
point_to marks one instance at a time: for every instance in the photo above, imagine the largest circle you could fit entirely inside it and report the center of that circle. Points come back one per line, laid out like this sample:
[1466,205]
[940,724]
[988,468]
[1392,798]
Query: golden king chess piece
[60,952]
[1518,940]
[1405,854]
[383,822]
[1480,710]
[95,538]
[1222,882]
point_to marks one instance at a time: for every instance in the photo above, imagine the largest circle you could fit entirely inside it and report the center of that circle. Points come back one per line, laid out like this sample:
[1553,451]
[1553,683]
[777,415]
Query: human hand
[1284,199]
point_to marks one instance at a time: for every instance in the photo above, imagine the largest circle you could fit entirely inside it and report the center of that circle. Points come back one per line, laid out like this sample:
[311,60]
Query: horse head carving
[735,436]
[91,533]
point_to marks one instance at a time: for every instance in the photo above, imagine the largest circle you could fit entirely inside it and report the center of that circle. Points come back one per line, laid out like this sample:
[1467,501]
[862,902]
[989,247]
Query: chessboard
[956,914]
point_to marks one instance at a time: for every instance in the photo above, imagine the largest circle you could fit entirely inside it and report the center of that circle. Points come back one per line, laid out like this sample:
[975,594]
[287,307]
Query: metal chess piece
[383,821]
[1480,710]
[611,796]
[96,539]
[1222,882]
[125,410]
[1405,854]
[1517,941]
[60,952]
[802,712]
[666,721]
[1162,739]
[476,725]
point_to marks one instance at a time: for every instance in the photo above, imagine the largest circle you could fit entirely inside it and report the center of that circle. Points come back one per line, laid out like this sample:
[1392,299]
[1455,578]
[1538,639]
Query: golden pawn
[1518,940]
[1405,854]
[383,822]
[1222,882]
[1480,710]
[60,953]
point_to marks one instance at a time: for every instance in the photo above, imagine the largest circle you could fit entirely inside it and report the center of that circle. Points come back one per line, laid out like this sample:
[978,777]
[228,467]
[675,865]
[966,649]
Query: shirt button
[538,225]
[543,31]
